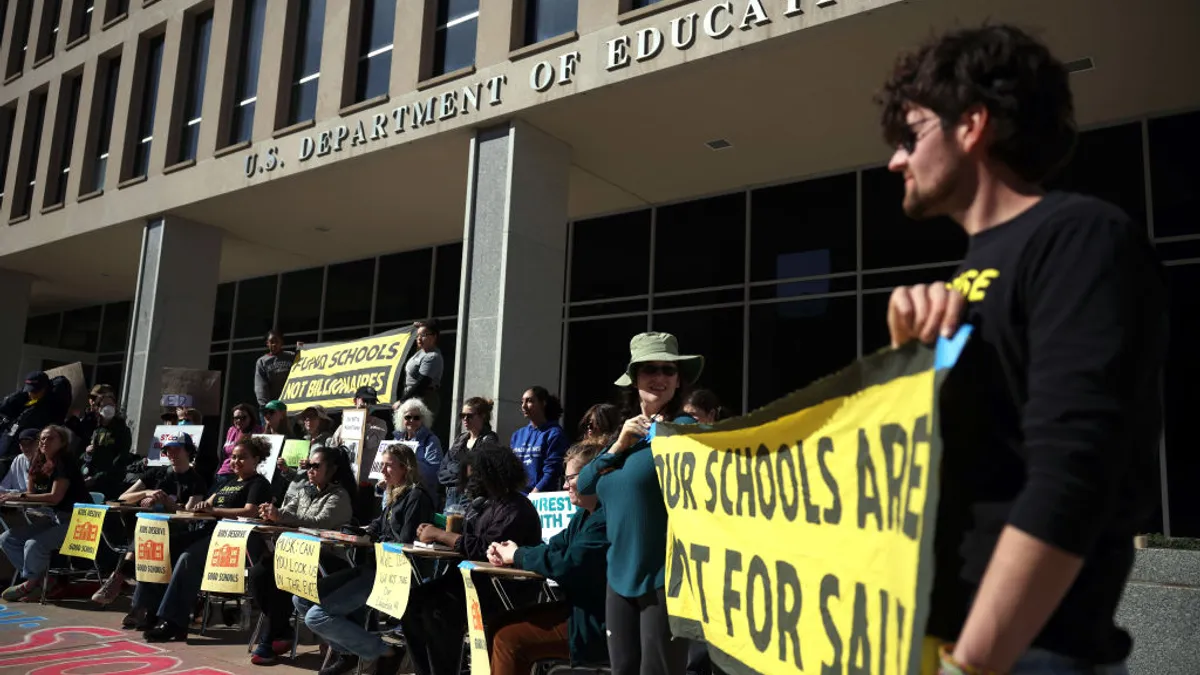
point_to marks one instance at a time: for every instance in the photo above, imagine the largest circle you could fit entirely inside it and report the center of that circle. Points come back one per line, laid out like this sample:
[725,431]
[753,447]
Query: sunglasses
[910,136]
[313,465]
[240,418]
[653,369]
[412,418]
[466,416]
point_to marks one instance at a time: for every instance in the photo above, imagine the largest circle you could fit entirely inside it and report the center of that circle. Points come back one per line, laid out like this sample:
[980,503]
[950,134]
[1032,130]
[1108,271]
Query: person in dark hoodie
[476,427]
[345,593]
[541,443]
[107,454]
[575,558]
[36,405]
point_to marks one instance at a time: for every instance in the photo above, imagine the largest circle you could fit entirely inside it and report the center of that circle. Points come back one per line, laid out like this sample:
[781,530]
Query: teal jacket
[576,558]
[627,484]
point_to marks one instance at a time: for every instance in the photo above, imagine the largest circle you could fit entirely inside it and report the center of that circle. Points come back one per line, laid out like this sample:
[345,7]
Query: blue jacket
[429,457]
[541,450]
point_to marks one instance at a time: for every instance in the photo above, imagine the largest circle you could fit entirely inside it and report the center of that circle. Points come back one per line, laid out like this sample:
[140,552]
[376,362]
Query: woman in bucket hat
[656,382]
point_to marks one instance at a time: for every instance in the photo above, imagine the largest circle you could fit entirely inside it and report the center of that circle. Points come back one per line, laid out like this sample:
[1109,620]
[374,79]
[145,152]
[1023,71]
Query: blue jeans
[339,619]
[174,601]
[29,547]
[1043,662]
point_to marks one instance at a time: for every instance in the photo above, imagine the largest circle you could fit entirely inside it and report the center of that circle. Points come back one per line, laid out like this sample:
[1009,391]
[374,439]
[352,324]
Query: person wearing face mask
[104,459]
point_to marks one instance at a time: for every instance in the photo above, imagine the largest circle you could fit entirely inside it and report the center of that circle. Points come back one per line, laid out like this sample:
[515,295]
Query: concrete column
[118,139]
[514,254]
[335,59]
[172,314]
[14,307]
[408,47]
[271,87]
[218,79]
[494,32]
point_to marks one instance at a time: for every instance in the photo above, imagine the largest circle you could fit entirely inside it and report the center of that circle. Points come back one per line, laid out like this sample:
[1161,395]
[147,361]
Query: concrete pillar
[173,310]
[14,307]
[514,255]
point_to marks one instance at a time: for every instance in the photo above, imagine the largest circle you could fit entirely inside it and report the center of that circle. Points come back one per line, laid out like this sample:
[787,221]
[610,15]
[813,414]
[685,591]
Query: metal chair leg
[254,633]
[204,613]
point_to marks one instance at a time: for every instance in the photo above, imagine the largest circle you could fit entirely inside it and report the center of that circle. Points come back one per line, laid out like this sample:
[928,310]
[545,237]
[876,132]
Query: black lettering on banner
[860,640]
[745,481]
[787,580]
[883,624]
[733,599]
[685,468]
[833,514]
[710,504]
[829,589]
[790,508]
[700,555]
[726,502]
[679,569]
[920,436]
[890,436]
[760,637]
[867,503]
[811,514]
[899,635]
[762,458]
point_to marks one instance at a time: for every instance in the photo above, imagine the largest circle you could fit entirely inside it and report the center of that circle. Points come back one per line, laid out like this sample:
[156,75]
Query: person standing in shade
[271,370]
[655,386]
[540,445]
[423,370]
[1052,414]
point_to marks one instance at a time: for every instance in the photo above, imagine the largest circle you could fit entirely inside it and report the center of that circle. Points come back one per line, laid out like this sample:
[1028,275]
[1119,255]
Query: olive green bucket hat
[650,347]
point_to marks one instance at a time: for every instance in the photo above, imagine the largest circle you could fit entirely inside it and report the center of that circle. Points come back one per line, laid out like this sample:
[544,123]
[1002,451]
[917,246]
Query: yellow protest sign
[225,567]
[393,580]
[297,560]
[480,661]
[83,532]
[152,548]
[800,537]
[329,374]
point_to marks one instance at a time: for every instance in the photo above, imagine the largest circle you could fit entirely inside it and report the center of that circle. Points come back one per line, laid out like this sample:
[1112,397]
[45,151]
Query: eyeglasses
[466,416]
[412,418]
[313,465]
[910,136]
[570,478]
[240,418]
[654,369]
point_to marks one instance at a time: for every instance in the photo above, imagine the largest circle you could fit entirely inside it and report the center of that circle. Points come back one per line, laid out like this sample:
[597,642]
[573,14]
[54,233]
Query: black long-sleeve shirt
[1051,418]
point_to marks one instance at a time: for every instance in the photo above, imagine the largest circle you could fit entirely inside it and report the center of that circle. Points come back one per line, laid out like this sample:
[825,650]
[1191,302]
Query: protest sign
[79,389]
[828,495]
[225,566]
[354,423]
[329,374]
[152,542]
[296,564]
[393,580]
[83,532]
[377,465]
[165,432]
[294,451]
[555,509]
[267,466]
[191,388]
[480,661]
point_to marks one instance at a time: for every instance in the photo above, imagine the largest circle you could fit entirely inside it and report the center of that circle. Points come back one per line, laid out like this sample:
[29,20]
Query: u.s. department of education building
[545,177]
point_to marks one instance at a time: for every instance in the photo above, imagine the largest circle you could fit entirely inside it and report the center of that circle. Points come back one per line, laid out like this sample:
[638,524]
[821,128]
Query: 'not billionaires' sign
[800,536]
[329,374]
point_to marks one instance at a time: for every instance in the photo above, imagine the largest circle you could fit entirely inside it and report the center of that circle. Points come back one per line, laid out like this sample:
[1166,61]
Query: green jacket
[577,558]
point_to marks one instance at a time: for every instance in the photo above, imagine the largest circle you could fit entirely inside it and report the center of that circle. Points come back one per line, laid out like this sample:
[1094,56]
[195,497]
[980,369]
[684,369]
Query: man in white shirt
[18,474]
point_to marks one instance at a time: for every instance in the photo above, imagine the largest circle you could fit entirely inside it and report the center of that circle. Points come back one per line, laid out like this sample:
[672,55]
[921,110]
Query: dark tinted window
[241,380]
[1175,174]
[111,72]
[602,246]
[597,352]
[115,335]
[1183,362]
[300,302]
[81,329]
[803,229]
[348,294]
[454,35]
[874,321]
[145,128]
[715,334]
[446,285]
[223,316]
[43,330]
[34,122]
[190,134]
[306,76]
[403,286]
[892,239]
[375,56]
[246,91]
[795,343]
[74,86]
[256,307]
[1108,164]
[700,243]
[109,373]
[545,19]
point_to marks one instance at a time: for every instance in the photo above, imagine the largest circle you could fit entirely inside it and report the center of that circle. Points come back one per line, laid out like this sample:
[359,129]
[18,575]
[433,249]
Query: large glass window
[454,35]
[545,19]
[66,131]
[404,280]
[300,302]
[348,294]
[803,229]
[448,278]
[715,334]
[149,104]
[795,343]
[108,73]
[20,37]
[81,329]
[48,40]
[700,243]
[8,118]
[306,70]
[256,307]
[114,335]
[223,315]
[597,352]
[246,92]
[189,135]
[892,239]
[81,19]
[27,175]
[375,49]
[1175,175]
[43,330]
[598,245]
[1108,164]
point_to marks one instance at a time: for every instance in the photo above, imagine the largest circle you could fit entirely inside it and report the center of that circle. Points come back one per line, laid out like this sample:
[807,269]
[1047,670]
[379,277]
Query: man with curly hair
[1051,417]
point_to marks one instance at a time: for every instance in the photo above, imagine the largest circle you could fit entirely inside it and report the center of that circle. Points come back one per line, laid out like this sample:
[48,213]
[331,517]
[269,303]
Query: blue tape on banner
[90,505]
[393,548]
[466,565]
[297,535]
[948,350]
[154,516]
[652,432]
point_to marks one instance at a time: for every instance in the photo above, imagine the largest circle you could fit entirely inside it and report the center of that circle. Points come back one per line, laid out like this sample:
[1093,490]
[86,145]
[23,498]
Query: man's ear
[973,129]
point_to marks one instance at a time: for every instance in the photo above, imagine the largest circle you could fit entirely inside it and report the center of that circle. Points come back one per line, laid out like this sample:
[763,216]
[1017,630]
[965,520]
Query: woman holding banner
[655,382]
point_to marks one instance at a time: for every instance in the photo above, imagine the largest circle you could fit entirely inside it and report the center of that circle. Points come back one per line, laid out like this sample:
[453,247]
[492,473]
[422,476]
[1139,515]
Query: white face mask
[108,412]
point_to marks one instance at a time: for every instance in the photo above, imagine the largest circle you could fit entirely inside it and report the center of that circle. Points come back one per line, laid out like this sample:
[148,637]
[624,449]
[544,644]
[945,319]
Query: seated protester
[575,558]
[104,459]
[318,426]
[54,480]
[414,421]
[321,501]
[168,607]
[277,422]
[18,474]
[408,505]
[38,403]
[162,488]
[436,617]
[375,430]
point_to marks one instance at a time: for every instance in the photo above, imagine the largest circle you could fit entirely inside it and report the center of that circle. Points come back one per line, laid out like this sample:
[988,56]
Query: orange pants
[530,635]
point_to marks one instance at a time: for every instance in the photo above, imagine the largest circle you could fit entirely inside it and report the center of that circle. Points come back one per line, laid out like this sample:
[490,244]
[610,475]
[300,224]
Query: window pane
[715,334]
[803,229]
[404,286]
[454,47]
[786,337]
[81,329]
[195,97]
[449,10]
[1174,174]
[223,315]
[348,294]
[874,322]
[300,301]
[700,243]
[545,19]
[597,243]
[308,48]
[42,330]
[111,74]
[145,128]
[597,352]
[446,416]
[447,281]
[1108,164]
[115,335]
[33,141]
[247,82]
[256,307]
[343,335]
[373,76]
[638,4]
[75,85]
[1182,363]
[8,119]
[243,123]
[241,380]
[892,239]
[304,101]
[110,373]
[378,28]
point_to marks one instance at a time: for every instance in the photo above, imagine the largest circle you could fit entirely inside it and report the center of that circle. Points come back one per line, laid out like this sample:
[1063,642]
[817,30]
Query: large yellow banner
[800,536]
[393,580]
[152,542]
[225,568]
[83,532]
[329,374]
[297,565]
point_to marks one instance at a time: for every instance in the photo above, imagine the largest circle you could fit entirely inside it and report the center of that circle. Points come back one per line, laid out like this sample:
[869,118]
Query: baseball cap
[317,410]
[275,406]
[28,435]
[367,394]
[180,441]
[36,380]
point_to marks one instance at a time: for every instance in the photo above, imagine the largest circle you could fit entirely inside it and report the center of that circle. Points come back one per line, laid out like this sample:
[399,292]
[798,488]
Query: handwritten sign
[267,466]
[294,451]
[83,532]
[225,566]
[377,465]
[152,548]
[164,433]
[555,509]
[480,662]
[393,580]
[297,560]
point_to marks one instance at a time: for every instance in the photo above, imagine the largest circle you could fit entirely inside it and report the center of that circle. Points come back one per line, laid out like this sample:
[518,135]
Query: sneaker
[340,665]
[133,618]
[148,621]
[22,590]
[281,646]
[111,589]
[262,654]
[166,632]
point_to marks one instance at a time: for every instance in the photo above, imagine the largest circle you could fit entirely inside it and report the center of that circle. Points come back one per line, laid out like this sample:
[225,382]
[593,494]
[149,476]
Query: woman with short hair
[413,422]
